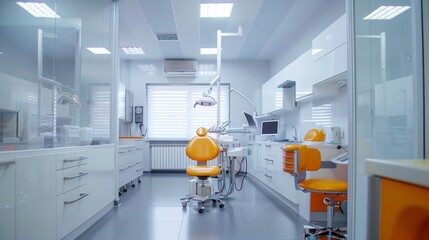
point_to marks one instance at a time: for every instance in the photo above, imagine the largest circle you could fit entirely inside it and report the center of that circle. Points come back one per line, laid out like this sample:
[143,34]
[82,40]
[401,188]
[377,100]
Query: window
[99,111]
[171,112]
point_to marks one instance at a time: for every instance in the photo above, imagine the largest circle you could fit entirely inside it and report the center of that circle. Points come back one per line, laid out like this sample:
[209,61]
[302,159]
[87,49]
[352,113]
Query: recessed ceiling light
[99,50]
[386,12]
[215,9]
[133,50]
[38,9]
[208,51]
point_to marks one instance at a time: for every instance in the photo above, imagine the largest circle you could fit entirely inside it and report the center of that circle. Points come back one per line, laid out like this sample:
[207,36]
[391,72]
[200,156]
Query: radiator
[170,157]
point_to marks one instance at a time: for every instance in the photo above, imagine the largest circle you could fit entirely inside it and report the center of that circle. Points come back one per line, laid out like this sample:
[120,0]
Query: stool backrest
[299,157]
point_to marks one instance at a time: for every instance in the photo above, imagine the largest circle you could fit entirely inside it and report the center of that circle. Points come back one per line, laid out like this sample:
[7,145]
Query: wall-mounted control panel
[138,114]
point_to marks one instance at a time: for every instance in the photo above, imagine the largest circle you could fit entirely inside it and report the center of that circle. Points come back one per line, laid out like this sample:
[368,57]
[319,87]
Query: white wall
[303,119]
[246,77]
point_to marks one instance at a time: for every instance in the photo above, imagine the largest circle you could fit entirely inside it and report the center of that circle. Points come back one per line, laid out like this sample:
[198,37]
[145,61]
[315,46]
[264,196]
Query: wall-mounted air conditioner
[180,68]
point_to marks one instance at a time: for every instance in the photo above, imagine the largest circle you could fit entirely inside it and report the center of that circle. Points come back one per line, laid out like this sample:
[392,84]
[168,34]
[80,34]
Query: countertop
[410,171]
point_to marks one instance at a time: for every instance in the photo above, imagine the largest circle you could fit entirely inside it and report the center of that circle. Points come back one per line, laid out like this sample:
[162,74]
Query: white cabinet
[272,97]
[35,197]
[47,194]
[270,172]
[130,161]
[330,51]
[72,190]
[7,198]
[86,188]
[330,39]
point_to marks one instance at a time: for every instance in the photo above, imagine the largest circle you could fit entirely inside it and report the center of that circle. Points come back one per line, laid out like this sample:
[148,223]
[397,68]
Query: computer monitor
[250,121]
[270,127]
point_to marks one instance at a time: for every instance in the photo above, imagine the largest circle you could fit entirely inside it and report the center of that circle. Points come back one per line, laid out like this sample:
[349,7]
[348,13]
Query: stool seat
[202,171]
[324,185]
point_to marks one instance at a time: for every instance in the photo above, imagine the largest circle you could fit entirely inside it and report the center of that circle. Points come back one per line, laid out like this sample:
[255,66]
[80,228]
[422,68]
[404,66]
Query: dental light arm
[245,98]
[212,83]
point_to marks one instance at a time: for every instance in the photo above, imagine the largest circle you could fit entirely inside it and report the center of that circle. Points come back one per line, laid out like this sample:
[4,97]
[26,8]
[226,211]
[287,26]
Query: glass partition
[388,94]
[46,70]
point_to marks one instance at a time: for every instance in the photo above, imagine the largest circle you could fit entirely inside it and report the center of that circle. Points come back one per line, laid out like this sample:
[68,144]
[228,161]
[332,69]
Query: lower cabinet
[35,197]
[72,209]
[130,161]
[7,198]
[47,196]
[268,169]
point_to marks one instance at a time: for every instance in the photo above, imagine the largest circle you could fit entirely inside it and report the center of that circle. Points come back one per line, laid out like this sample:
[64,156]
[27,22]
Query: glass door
[425,12]
[388,93]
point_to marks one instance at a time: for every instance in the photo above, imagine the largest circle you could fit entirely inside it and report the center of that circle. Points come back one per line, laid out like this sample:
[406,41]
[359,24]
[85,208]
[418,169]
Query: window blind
[171,113]
[99,111]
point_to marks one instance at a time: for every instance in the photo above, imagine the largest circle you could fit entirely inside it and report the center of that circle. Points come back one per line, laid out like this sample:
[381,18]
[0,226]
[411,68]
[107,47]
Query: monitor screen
[269,127]
[250,120]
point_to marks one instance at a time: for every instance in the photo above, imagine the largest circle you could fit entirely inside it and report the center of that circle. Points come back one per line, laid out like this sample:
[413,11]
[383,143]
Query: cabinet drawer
[71,159]
[125,174]
[138,169]
[70,178]
[126,155]
[72,210]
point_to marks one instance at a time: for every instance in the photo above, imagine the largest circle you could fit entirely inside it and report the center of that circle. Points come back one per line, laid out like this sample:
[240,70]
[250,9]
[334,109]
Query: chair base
[313,232]
[202,200]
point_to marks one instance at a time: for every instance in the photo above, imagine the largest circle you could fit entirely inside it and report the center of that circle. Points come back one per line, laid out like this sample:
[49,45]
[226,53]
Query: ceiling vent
[167,36]
[180,68]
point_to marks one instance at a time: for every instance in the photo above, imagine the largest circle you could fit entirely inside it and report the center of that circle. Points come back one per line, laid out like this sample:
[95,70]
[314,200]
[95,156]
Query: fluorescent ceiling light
[386,12]
[215,9]
[38,9]
[133,50]
[208,51]
[99,50]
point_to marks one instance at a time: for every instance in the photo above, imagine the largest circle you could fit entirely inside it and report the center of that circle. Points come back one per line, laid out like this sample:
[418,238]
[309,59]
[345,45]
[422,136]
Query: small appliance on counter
[85,136]
[333,135]
[69,135]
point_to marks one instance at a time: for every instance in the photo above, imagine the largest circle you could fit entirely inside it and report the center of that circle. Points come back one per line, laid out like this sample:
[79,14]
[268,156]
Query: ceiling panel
[266,24]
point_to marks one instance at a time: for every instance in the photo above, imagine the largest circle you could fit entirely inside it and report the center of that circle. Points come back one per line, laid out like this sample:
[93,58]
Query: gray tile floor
[152,211]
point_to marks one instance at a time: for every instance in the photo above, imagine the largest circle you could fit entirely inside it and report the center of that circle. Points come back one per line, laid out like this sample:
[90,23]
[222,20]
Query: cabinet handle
[269,160]
[75,159]
[137,170]
[6,164]
[139,162]
[123,169]
[268,176]
[82,195]
[81,174]
[123,151]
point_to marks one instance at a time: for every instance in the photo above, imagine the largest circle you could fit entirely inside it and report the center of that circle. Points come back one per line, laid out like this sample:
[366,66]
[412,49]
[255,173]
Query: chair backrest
[299,158]
[202,147]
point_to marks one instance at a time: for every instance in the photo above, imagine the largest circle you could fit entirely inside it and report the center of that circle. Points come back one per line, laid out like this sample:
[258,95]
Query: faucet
[295,136]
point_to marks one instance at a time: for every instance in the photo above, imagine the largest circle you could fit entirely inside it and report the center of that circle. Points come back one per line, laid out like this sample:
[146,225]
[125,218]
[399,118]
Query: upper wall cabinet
[330,39]
[315,72]
[329,50]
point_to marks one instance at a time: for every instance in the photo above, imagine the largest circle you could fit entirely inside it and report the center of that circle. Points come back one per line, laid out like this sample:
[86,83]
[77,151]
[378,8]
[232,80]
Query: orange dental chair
[202,148]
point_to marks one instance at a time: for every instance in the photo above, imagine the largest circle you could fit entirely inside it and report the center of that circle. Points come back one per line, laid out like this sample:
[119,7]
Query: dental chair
[297,160]
[202,148]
